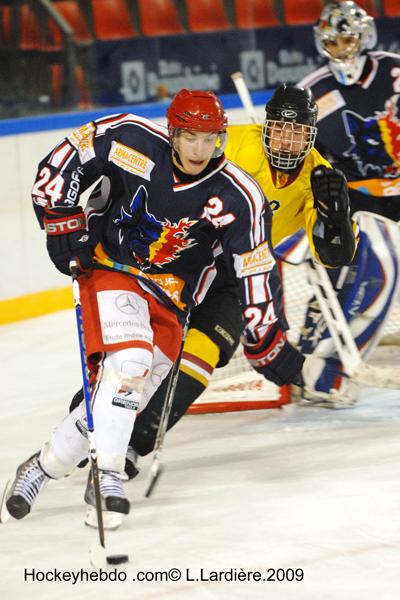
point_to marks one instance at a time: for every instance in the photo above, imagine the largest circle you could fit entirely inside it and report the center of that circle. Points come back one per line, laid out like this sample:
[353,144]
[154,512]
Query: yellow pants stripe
[199,346]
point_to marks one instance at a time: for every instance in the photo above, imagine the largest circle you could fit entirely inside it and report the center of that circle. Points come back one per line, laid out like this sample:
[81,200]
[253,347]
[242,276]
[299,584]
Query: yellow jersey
[289,194]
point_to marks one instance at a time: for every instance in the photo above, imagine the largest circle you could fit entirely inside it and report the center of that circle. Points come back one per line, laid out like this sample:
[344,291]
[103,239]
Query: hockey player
[358,96]
[146,259]
[303,191]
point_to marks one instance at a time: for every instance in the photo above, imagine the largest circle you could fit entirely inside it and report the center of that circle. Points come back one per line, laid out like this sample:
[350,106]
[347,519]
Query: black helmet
[292,104]
[289,130]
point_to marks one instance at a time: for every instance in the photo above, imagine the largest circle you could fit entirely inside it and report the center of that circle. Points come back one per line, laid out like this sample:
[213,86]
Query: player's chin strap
[349,355]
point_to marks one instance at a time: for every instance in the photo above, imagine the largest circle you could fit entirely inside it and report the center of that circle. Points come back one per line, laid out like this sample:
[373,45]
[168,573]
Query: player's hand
[68,237]
[276,360]
[331,197]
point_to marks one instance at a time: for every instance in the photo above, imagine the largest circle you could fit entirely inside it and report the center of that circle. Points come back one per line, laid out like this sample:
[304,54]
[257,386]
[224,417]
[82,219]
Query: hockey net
[238,387]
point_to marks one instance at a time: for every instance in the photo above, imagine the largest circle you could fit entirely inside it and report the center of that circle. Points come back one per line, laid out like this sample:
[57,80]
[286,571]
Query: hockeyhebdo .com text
[235,575]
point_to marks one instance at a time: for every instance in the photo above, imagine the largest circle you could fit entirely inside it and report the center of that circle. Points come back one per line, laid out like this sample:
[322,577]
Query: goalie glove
[331,197]
[277,360]
[68,237]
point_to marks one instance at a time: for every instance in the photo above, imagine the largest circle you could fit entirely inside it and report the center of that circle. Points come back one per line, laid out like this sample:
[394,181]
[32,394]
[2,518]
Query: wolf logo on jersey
[152,241]
[375,140]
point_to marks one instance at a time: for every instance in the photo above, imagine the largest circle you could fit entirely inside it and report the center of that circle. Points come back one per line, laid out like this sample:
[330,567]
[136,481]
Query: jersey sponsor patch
[127,403]
[377,187]
[171,285]
[259,260]
[82,140]
[329,103]
[131,160]
[123,317]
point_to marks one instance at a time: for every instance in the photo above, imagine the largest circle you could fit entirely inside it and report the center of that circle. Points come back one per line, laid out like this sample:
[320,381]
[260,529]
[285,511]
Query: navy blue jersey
[165,231]
[359,129]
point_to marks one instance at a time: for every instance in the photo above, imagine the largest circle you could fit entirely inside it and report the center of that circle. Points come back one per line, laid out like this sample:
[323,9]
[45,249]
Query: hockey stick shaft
[87,396]
[333,314]
[244,95]
[156,467]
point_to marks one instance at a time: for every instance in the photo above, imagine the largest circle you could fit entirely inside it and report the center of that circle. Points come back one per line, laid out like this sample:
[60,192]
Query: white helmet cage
[289,130]
[287,143]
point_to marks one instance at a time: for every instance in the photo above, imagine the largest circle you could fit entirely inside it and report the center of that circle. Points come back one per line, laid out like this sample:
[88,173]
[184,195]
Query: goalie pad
[367,290]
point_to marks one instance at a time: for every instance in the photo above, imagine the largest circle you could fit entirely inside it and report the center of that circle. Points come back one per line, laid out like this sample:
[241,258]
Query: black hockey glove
[277,361]
[68,237]
[331,197]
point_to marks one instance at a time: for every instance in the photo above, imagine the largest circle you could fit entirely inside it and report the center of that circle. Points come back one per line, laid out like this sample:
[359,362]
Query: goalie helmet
[198,111]
[289,130]
[343,34]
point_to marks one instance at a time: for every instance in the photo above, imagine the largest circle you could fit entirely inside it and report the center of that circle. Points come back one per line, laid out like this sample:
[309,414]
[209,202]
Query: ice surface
[293,488]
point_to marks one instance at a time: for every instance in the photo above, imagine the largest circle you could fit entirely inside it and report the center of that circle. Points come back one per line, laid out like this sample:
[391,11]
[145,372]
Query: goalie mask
[198,111]
[343,34]
[289,130]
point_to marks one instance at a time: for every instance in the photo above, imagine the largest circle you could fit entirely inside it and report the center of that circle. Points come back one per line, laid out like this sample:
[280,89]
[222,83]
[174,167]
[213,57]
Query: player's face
[286,137]
[195,149]
[342,47]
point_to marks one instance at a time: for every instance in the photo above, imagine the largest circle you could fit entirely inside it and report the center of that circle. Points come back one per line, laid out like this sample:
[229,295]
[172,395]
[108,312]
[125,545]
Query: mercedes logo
[127,304]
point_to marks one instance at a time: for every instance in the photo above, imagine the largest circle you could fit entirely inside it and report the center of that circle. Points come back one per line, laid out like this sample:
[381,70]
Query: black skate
[29,480]
[131,463]
[114,503]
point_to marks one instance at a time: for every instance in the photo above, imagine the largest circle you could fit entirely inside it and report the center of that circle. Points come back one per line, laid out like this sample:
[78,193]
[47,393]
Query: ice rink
[295,488]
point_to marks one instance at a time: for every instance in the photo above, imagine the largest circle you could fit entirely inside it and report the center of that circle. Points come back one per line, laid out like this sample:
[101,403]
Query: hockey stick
[349,355]
[244,95]
[98,556]
[339,329]
[157,468]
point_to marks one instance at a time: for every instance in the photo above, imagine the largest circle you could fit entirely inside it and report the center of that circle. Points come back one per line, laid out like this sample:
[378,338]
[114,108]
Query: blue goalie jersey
[359,130]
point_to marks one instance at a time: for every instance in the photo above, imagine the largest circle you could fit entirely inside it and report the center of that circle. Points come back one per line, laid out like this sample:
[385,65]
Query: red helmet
[196,110]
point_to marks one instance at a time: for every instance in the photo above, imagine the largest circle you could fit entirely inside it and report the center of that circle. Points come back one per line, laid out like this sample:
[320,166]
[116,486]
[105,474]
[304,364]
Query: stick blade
[98,556]
[155,475]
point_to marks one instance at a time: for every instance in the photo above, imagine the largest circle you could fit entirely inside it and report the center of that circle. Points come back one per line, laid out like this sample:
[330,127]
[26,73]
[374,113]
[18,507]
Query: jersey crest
[375,140]
[152,241]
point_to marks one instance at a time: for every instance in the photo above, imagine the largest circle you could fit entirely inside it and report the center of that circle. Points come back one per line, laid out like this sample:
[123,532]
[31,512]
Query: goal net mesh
[238,387]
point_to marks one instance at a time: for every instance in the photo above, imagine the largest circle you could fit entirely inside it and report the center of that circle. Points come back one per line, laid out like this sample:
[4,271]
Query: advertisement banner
[142,69]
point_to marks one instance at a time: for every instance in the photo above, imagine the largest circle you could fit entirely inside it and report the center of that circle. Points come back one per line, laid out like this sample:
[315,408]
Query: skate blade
[97,555]
[4,514]
[111,520]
